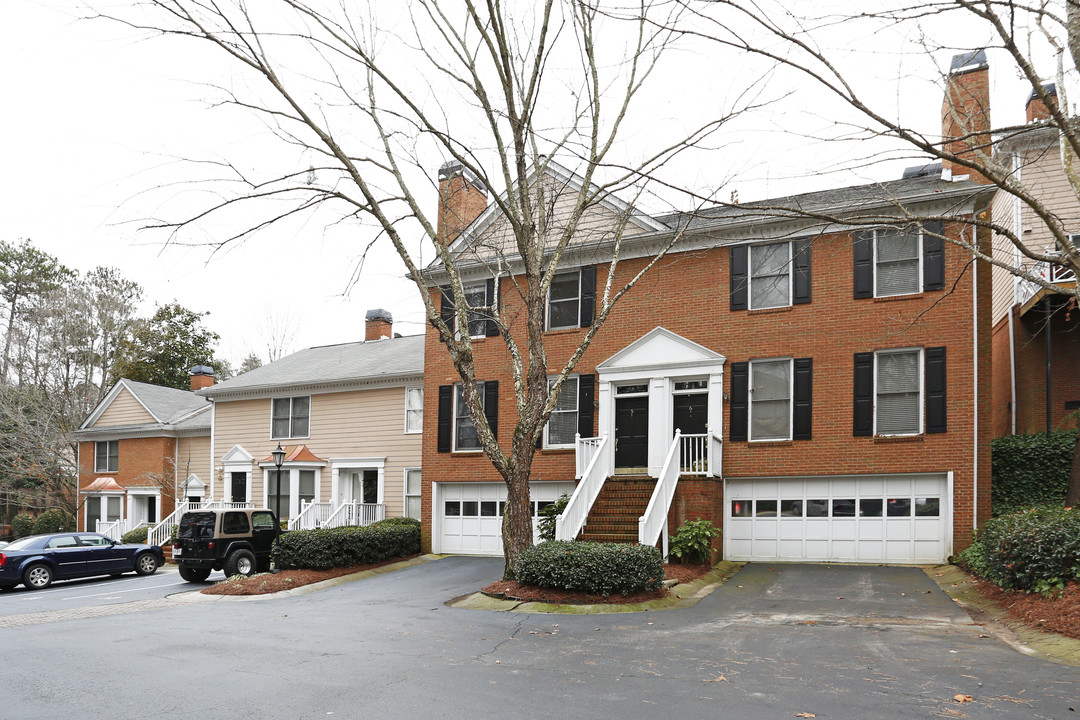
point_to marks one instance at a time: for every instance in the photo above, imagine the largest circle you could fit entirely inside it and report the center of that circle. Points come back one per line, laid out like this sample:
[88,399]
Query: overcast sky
[96,120]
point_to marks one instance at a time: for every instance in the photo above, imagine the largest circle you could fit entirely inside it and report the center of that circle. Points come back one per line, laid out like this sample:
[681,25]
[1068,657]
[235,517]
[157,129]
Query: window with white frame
[476,300]
[465,435]
[107,456]
[290,417]
[770,399]
[562,425]
[103,508]
[412,493]
[896,261]
[564,301]
[414,409]
[898,392]
[770,275]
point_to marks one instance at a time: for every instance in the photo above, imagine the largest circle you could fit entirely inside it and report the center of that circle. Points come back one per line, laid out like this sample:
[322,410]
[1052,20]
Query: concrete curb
[195,596]
[684,595]
[961,587]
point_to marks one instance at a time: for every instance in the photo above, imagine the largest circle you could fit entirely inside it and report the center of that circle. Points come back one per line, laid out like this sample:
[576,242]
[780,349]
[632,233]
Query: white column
[659,423]
[716,403]
[606,424]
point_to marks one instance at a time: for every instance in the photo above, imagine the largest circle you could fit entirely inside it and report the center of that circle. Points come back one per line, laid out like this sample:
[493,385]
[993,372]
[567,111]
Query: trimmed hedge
[1030,470]
[347,546]
[138,535]
[597,568]
[52,521]
[22,525]
[1036,549]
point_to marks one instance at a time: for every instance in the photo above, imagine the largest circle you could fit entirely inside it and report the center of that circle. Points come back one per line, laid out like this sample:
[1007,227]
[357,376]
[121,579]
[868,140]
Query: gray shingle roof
[168,404]
[348,362]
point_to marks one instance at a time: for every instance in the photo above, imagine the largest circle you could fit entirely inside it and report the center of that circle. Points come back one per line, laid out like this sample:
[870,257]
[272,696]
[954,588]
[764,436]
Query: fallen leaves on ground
[805,715]
[512,590]
[960,698]
[266,583]
[1058,615]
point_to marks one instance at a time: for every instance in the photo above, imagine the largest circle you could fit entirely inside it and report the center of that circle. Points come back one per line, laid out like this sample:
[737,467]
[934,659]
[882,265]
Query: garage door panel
[474,525]
[874,518]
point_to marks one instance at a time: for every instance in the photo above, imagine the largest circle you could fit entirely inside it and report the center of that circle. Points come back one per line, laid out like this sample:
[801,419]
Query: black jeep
[240,542]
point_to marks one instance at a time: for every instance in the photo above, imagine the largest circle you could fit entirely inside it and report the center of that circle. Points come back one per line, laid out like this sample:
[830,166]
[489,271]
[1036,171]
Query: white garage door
[876,518]
[468,517]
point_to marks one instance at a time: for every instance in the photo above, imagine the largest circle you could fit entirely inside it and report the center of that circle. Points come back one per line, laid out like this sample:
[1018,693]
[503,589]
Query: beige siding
[363,423]
[1003,211]
[124,410]
[193,457]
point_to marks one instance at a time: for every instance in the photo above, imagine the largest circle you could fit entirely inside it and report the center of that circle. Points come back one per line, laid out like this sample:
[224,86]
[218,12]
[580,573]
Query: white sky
[93,118]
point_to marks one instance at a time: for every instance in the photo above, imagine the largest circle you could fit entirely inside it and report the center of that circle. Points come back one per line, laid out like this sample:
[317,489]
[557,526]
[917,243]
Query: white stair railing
[585,449]
[312,515]
[653,524]
[354,514]
[112,529]
[716,454]
[162,531]
[694,454]
[592,477]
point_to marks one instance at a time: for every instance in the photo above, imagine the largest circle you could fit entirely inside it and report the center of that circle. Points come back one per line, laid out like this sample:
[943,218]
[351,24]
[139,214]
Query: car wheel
[194,574]
[240,562]
[146,564]
[37,577]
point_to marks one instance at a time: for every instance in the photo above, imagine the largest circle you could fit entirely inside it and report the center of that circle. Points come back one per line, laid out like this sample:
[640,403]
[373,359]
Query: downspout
[1049,317]
[176,464]
[213,457]
[1012,374]
[975,386]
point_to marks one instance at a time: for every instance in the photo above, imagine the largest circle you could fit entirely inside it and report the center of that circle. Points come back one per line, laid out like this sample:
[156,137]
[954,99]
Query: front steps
[614,515]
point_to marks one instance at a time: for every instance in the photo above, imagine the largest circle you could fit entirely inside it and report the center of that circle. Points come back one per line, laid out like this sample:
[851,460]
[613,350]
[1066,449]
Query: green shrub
[22,525]
[347,546]
[402,521]
[52,521]
[138,535]
[597,568]
[692,542]
[1030,470]
[549,514]
[1036,549]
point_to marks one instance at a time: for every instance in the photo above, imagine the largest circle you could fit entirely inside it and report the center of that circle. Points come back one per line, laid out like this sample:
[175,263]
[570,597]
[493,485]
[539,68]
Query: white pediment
[193,483]
[660,349]
[237,455]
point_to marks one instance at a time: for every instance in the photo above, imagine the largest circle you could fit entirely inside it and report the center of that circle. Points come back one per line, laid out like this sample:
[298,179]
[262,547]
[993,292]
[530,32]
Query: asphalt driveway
[389,646]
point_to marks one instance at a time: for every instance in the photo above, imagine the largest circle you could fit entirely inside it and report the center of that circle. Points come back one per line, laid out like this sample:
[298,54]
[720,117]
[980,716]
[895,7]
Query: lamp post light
[279,458]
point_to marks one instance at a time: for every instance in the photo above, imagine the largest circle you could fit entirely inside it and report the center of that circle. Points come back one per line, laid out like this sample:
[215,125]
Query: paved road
[836,642]
[85,592]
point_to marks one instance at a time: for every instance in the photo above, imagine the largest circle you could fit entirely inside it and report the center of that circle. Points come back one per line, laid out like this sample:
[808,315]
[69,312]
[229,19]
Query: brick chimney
[462,197]
[202,376]
[965,111]
[1036,108]
[380,324]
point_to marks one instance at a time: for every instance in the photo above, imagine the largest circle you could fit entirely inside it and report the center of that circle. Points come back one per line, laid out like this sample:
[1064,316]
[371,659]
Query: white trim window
[107,456]
[412,492]
[770,275]
[414,409]
[290,417]
[564,301]
[770,399]
[897,261]
[562,425]
[477,302]
[103,508]
[465,435]
[898,392]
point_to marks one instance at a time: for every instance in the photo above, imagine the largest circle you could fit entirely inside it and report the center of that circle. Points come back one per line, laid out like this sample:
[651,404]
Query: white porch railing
[1057,274]
[355,513]
[312,515]
[592,477]
[116,529]
[716,454]
[653,524]
[694,454]
[585,449]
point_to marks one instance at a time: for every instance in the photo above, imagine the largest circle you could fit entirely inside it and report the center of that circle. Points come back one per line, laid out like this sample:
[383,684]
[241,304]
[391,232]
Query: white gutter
[975,383]
[213,457]
[1012,374]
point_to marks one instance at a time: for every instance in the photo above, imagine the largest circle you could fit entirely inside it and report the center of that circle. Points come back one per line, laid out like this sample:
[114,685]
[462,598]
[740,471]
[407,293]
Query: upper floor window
[290,417]
[465,435]
[107,456]
[900,392]
[770,399]
[414,409]
[899,261]
[562,425]
[770,275]
[480,298]
[571,299]
[455,428]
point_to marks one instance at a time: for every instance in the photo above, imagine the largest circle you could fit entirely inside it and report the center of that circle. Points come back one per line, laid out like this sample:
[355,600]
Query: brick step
[610,529]
[619,510]
[609,537]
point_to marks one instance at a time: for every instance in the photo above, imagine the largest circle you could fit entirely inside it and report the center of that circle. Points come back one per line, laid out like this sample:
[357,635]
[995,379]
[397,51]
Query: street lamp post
[279,458]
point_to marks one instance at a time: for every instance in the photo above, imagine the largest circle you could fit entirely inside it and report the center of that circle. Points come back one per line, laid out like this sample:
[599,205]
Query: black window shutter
[585,390]
[933,255]
[739,278]
[491,406]
[864,263]
[740,385]
[446,409]
[936,420]
[490,298]
[804,372]
[863,423]
[588,295]
[800,257]
[446,309]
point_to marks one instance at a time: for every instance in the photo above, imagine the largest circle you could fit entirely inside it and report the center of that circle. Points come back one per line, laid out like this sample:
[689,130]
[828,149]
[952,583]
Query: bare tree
[498,89]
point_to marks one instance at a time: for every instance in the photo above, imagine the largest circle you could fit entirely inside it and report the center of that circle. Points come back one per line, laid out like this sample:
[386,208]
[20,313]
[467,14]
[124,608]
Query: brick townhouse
[829,381]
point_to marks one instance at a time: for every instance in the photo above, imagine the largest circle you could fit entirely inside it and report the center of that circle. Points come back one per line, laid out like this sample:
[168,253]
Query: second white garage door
[870,518]
[468,516]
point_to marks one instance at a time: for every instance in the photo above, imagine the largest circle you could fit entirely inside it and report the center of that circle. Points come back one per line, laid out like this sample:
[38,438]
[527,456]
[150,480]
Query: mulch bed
[512,590]
[266,583]
[1059,615]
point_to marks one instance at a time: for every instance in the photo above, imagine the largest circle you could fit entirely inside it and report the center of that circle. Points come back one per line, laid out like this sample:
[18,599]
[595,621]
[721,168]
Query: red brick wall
[142,462]
[688,294]
[1030,344]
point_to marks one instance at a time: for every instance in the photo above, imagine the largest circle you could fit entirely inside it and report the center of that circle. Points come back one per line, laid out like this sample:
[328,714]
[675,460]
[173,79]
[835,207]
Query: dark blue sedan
[37,560]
